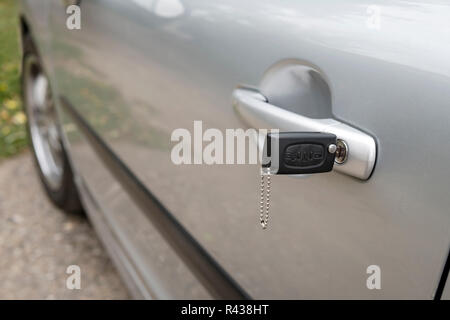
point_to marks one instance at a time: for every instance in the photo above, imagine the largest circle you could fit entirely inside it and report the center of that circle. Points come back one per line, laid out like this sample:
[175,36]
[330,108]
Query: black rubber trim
[443,281]
[212,276]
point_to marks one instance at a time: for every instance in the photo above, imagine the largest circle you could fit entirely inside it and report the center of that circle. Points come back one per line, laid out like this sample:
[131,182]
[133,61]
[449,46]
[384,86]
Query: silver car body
[139,69]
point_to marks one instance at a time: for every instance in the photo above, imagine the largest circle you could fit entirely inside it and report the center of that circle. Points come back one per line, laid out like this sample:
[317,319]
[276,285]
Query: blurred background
[13,138]
[37,241]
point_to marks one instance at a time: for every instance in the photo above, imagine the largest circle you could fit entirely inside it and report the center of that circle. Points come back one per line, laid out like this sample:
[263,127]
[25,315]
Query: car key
[293,153]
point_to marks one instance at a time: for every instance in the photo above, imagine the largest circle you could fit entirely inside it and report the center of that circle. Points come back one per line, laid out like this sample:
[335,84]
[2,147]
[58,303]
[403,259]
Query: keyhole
[341,152]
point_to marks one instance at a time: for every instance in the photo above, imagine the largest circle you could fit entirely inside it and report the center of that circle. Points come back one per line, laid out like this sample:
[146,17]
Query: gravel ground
[38,242]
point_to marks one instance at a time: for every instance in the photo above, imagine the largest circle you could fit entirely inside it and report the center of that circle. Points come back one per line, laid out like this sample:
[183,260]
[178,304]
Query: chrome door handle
[258,113]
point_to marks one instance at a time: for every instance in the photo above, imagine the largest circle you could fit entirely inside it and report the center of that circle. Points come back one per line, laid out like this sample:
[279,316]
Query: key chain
[264,203]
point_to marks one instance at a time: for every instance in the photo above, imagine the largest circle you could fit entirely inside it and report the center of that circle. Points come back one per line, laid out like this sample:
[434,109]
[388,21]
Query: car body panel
[137,70]
[446,293]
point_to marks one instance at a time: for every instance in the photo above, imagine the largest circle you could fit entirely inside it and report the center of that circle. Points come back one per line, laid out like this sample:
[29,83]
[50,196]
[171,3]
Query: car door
[138,70]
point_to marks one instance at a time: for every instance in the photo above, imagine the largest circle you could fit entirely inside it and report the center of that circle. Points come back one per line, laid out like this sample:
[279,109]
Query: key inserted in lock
[299,152]
[296,153]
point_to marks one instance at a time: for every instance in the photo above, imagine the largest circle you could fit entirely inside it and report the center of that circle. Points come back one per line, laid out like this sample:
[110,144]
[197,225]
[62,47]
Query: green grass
[13,137]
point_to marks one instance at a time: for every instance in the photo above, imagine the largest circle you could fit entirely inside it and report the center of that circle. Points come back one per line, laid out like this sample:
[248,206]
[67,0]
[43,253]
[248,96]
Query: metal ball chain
[264,202]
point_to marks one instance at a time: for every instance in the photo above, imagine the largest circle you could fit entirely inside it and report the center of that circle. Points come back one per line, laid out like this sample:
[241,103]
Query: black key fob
[299,152]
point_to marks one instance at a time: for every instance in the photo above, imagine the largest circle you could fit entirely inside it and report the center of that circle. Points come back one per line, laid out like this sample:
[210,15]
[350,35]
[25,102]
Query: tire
[49,155]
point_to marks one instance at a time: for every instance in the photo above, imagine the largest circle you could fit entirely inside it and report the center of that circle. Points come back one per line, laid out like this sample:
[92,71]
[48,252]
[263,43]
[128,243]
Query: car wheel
[45,133]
